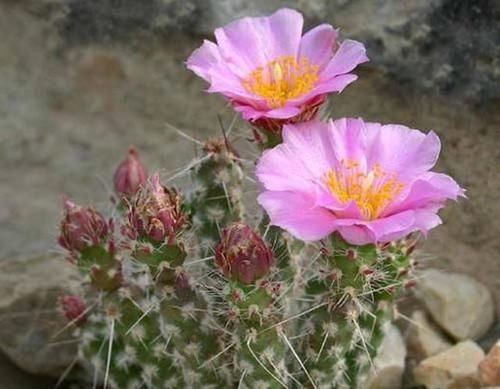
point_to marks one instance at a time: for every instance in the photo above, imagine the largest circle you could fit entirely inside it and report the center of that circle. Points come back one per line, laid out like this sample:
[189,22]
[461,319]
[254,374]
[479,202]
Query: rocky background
[81,80]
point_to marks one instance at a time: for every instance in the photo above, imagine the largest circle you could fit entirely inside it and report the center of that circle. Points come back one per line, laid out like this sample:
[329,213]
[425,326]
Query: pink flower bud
[73,308]
[242,254]
[130,175]
[156,212]
[81,227]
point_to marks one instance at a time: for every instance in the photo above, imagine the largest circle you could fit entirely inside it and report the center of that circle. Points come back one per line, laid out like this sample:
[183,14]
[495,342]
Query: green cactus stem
[260,359]
[160,328]
[217,198]
[352,290]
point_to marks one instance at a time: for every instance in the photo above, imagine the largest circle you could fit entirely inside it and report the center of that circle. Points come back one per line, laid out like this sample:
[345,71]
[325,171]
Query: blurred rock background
[81,80]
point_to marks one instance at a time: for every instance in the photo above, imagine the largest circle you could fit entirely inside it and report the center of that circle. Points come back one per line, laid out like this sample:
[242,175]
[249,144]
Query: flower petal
[357,234]
[277,169]
[317,44]
[349,55]
[402,150]
[253,110]
[309,142]
[310,224]
[392,227]
[429,188]
[204,59]
[426,219]
[251,42]
[362,232]
[207,63]
[336,84]
[348,140]
[349,210]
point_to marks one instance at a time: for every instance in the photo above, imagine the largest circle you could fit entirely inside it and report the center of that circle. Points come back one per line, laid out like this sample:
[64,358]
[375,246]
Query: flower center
[371,191]
[282,79]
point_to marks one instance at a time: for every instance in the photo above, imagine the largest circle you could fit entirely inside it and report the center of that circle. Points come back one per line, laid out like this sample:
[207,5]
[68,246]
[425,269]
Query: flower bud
[156,212]
[73,308]
[242,254]
[81,227]
[130,175]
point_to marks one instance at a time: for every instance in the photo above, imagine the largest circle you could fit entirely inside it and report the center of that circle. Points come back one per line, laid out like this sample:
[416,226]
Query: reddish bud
[242,254]
[351,254]
[81,227]
[74,308]
[156,212]
[130,175]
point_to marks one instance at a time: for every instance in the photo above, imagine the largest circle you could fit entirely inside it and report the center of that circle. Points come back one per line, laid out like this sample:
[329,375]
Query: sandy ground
[69,112]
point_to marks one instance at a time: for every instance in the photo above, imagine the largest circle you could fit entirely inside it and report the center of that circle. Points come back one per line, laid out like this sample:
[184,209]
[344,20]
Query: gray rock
[389,362]
[459,304]
[14,378]
[455,368]
[423,338]
[432,45]
[30,319]
[448,46]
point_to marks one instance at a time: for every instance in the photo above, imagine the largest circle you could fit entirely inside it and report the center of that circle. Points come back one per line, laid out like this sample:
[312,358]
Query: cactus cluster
[181,292]
[189,291]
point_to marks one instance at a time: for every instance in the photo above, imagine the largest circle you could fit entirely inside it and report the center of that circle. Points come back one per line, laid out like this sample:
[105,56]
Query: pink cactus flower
[269,70]
[242,254]
[130,175]
[368,181]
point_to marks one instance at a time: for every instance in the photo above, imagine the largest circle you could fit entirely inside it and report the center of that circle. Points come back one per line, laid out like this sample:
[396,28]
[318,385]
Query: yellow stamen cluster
[282,79]
[371,191]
